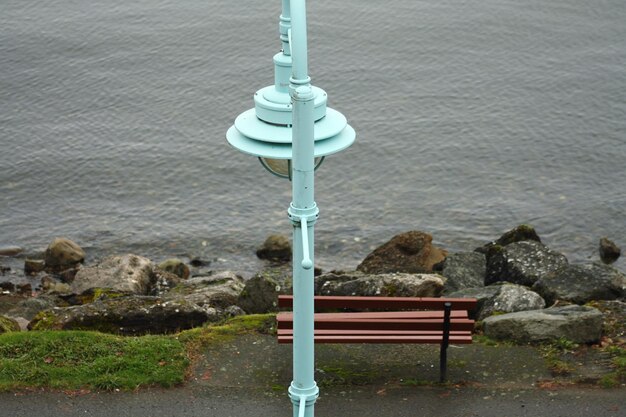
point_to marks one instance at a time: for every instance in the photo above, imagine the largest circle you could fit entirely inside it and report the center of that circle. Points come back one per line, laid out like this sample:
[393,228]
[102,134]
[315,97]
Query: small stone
[197,263]
[33,266]
[24,289]
[176,267]
[275,247]
[10,250]
[609,251]
[63,254]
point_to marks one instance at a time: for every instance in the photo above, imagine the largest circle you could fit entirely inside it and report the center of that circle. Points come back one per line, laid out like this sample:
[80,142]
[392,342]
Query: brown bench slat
[335,332]
[389,315]
[382,339]
[393,303]
[381,324]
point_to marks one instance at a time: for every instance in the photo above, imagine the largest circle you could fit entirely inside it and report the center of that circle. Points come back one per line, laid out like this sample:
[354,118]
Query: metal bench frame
[404,320]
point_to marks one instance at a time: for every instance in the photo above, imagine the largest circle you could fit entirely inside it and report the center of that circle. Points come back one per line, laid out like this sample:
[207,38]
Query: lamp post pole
[291,130]
[303,213]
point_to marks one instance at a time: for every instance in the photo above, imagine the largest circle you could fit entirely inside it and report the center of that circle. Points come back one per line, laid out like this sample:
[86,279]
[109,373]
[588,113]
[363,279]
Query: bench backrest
[323,302]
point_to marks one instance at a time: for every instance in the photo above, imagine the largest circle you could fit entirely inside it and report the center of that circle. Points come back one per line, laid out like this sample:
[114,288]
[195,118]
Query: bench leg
[443,353]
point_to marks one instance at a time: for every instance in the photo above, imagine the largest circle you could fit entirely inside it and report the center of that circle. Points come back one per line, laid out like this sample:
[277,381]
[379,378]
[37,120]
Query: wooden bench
[386,320]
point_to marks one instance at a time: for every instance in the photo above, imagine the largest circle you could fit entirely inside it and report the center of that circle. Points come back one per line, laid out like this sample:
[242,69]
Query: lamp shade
[253,136]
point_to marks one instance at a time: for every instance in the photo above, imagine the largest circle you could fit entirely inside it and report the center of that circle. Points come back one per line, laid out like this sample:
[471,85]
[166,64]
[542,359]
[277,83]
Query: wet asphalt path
[199,401]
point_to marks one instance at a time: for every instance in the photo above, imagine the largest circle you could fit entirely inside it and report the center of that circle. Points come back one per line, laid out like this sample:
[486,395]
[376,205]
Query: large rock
[128,273]
[8,325]
[410,252]
[130,315]
[521,233]
[260,295]
[578,324]
[276,248]
[391,285]
[522,263]
[582,283]
[609,251]
[220,290]
[497,299]
[463,270]
[63,254]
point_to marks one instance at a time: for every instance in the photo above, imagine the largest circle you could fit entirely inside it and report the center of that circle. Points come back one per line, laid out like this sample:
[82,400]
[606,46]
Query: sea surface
[471,117]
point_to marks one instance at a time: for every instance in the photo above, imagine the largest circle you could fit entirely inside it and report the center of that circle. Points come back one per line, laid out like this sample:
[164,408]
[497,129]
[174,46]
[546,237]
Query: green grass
[92,360]
[81,359]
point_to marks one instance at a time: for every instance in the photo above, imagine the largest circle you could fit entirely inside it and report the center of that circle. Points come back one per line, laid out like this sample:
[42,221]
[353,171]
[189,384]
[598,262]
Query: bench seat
[412,320]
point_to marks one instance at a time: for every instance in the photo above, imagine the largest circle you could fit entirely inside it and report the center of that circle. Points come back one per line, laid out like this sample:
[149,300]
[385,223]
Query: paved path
[400,402]
[248,377]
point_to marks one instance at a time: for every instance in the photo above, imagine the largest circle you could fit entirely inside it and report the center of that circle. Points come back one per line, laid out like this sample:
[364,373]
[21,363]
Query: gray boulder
[411,252]
[128,274]
[392,285]
[130,315]
[582,283]
[63,254]
[506,298]
[260,295]
[513,298]
[578,324]
[463,270]
[522,263]
[220,290]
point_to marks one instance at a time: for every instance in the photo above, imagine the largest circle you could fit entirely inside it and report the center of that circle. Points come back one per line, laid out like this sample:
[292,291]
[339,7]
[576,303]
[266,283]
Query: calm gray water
[471,116]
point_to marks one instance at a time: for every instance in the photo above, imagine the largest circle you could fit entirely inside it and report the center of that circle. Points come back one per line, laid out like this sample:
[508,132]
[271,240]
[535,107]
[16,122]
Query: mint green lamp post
[291,130]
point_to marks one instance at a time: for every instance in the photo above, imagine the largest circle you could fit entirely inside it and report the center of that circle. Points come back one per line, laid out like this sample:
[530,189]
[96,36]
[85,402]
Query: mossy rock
[45,320]
[8,325]
[176,267]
